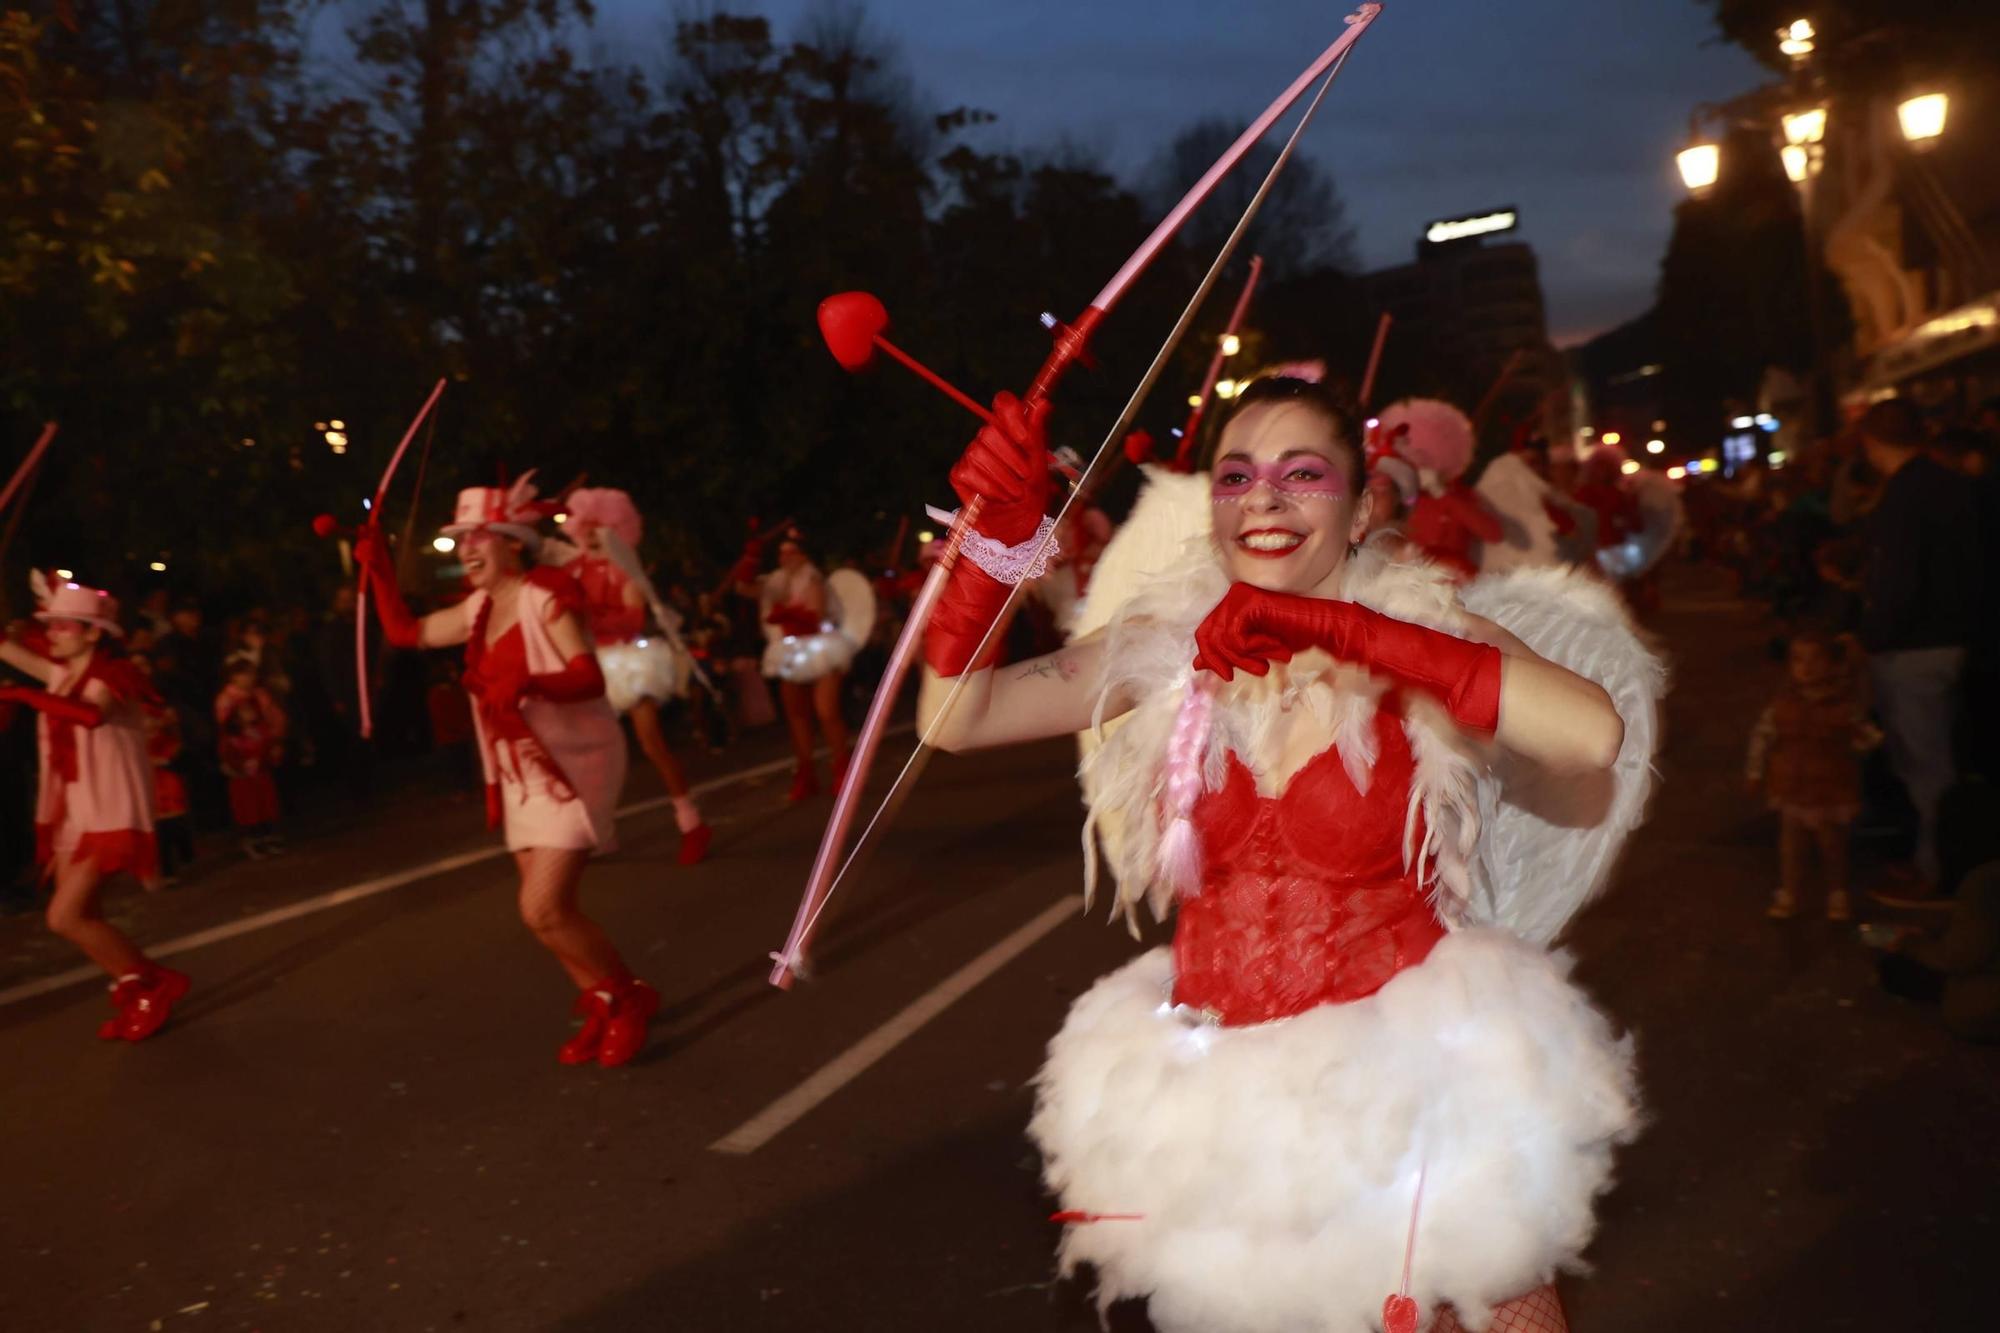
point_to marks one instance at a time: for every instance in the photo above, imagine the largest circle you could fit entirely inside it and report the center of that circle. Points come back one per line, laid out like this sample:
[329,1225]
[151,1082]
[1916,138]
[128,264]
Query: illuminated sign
[1459,229]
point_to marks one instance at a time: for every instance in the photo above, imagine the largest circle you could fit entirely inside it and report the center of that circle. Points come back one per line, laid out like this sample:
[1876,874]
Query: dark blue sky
[1569,109]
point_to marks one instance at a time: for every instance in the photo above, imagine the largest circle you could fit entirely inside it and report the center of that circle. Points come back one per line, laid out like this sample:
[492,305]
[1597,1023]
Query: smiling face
[489,558]
[1285,508]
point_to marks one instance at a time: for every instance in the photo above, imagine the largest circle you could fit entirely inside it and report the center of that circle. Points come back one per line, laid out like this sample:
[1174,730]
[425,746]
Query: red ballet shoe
[694,845]
[632,1009]
[152,1002]
[805,784]
[594,1008]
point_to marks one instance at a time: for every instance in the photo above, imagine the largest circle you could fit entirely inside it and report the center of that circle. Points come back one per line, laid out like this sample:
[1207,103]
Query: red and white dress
[96,797]
[553,769]
[636,665]
[1359,997]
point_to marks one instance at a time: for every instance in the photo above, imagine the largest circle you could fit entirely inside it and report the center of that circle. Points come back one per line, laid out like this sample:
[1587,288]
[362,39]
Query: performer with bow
[551,748]
[1357,1071]
[644,664]
[94,814]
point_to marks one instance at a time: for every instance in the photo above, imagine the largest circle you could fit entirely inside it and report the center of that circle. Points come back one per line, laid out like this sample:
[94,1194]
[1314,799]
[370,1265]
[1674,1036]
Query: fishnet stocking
[1540,1311]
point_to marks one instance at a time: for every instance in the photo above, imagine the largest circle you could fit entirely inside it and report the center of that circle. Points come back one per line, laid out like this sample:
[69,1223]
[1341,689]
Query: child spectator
[1805,753]
[250,745]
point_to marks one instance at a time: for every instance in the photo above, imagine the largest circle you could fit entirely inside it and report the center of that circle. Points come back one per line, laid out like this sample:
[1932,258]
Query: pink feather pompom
[611,507]
[1437,436]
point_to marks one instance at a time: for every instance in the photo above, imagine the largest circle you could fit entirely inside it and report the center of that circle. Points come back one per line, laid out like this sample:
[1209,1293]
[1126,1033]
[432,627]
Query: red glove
[59,707]
[1007,466]
[794,619]
[1564,520]
[747,564]
[581,679]
[1250,628]
[371,553]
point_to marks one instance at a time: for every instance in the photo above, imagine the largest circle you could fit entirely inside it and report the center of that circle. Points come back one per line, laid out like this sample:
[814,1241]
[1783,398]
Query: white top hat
[511,511]
[73,601]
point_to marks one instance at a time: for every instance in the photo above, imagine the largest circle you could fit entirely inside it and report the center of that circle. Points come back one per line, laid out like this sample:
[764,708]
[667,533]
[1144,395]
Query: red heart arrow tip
[850,323]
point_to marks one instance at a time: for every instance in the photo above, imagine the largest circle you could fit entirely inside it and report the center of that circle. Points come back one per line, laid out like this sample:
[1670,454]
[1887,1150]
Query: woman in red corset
[644,663]
[551,748]
[1356,1092]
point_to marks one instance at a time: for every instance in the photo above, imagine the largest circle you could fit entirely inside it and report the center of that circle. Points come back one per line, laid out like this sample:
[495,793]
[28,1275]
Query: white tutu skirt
[648,668]
[800,659]
[1273,1167]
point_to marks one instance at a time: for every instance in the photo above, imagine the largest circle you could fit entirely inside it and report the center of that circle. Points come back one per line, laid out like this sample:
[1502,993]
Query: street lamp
[1805,127]
[443,545]
[1700,164]
[1656,446]
[1922,118]
[1798,162]
[1231,344]
[1797,40]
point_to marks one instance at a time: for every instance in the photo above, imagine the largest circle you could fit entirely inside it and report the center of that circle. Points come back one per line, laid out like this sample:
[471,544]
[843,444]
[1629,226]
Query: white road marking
[368,888]
[844,1068]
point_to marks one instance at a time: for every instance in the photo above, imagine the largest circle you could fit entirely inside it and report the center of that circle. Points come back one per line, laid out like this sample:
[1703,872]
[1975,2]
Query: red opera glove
[794,619]
[59,707]
[371,553]
[1250,628]
[1007,467]
[1564,520]
[747,564]
[581,679]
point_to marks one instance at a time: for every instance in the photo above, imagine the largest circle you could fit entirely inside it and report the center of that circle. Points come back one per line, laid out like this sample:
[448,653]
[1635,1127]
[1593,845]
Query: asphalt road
[357,1122]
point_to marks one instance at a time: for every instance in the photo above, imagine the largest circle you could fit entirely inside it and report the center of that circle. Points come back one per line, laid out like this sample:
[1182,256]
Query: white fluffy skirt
[800,659]
[647,669]
[1273,1167]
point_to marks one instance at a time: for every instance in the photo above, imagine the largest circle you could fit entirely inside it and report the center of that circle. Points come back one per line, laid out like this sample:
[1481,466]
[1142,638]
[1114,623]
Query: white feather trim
[1273,1166]
[651,668]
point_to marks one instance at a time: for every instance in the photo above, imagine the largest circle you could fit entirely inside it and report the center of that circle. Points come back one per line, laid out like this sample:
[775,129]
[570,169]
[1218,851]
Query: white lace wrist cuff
[1008,564]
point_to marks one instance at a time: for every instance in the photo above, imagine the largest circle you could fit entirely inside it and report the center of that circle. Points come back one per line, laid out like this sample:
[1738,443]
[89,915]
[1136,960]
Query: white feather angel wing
[1548,846]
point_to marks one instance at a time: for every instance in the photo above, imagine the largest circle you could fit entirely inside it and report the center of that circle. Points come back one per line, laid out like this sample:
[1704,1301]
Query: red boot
[152,1002]
[805,783]
[694,845]
[594,1007]
[631,1010]
[123,992]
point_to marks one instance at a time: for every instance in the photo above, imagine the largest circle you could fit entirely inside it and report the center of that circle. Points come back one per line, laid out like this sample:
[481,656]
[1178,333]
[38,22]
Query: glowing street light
[1656,446]
[1629,466]
[1612,437]
[65,573]
[443,545]
[1677,474]
[1804,127]
[1700,164]
[1231,344]
[1797,39]
[1922,118]
[1798,162]
[158,566]
[1194,400]
[1225,388]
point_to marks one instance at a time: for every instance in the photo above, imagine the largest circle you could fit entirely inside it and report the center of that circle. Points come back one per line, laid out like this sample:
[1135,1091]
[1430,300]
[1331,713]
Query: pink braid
[1180,845]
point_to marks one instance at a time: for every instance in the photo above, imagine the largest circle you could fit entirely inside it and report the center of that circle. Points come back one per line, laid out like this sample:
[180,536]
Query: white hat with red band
[66,600]
[512,511]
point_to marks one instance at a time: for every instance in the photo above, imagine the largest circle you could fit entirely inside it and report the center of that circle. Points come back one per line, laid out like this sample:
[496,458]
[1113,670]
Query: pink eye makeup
[1303,476]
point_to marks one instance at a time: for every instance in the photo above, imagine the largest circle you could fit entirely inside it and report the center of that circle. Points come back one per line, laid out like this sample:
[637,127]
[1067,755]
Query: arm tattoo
[1052,667]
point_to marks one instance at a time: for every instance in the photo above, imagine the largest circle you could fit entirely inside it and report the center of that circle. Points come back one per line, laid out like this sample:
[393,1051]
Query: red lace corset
[1304,898]
[603,584]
